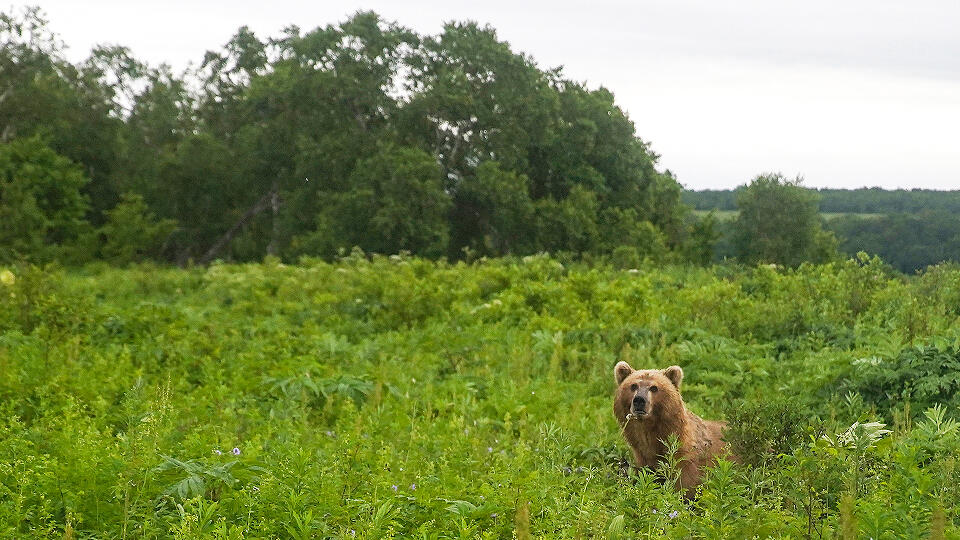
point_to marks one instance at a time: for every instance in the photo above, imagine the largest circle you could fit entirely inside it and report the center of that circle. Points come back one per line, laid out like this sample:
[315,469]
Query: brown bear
[649,409]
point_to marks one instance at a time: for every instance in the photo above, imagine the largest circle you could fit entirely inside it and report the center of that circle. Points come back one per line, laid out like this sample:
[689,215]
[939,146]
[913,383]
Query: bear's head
[647,394]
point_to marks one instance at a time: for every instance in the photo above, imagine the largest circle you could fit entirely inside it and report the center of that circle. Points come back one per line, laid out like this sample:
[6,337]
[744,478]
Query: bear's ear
[675,374]
[621,372]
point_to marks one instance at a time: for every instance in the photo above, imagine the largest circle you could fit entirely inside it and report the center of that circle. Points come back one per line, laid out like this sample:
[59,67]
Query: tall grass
[394,397]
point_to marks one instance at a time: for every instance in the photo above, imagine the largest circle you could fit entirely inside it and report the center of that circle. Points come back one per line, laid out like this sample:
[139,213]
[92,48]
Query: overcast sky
[846,94]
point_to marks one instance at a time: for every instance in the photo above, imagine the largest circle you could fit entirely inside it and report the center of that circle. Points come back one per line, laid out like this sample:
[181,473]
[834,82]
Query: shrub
[760,430]
[132,233]
[923,376]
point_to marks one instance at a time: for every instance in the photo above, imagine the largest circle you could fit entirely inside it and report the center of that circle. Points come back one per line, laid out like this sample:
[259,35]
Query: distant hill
[847,201]
[909,229]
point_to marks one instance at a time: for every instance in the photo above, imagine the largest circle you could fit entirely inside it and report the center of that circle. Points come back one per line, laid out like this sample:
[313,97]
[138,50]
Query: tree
[623,227]
[396,202]
[70,106]
[779,222]
[569,224]
[198,185]
[701,240]
[42,207]
[132,233]
[493,213]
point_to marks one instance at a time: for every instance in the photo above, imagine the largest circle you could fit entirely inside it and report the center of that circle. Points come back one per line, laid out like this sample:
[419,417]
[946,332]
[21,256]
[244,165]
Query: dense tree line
[908,242]
[903,232]
[846,201]
[360,134]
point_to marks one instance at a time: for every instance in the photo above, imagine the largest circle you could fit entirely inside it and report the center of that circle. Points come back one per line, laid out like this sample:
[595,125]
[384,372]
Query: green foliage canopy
[286,145]
[778,222]
[42,206]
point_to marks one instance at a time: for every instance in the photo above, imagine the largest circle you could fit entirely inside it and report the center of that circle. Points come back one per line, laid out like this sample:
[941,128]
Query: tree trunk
[275,206]
[271,199]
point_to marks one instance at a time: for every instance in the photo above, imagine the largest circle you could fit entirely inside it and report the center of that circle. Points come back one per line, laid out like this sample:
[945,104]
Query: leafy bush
[132,233]
[758,431]
[923,376]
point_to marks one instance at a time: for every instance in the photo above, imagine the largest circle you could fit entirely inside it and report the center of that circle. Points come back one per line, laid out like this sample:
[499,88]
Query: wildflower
[413,487]
[394,487]
[236,451]
[654,511]
[329,434]
[489,449]
[217,452]
[674,514]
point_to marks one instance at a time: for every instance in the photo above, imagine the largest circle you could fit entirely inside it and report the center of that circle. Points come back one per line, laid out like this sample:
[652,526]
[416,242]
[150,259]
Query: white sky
[846,94]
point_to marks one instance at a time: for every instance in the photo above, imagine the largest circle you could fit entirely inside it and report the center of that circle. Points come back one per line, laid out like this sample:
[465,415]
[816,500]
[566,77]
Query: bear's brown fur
[649,409]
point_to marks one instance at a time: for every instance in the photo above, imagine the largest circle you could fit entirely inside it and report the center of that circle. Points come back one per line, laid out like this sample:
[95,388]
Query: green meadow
[396,397]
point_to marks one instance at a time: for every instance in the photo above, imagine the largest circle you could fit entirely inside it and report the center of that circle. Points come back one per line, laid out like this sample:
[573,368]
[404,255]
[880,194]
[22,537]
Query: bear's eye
[653,388]
[633,387]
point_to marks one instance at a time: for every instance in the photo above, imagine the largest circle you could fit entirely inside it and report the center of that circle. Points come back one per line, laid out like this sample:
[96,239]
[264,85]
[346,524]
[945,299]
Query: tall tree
[71,107]
[779,222]
[42,207]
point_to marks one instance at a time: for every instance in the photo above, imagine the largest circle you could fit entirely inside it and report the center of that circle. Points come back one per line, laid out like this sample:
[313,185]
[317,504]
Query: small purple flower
[674,514]
[489,449]
[654,511]
[236,451]
[394,487]
[217,452]
[413,487]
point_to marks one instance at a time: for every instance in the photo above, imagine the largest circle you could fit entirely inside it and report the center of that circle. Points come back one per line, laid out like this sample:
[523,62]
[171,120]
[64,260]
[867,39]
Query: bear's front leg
[689,477]
[643,461]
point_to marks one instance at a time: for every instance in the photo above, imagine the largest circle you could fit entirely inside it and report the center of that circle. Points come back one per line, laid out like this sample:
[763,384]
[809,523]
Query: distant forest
[909,229]
[848,201]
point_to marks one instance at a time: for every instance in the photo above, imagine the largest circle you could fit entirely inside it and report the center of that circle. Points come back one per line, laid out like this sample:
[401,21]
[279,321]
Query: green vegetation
[909,242]
[911,230]
[366,134]
[846,201]
[461,387]
[399,397]
[363,134]
[778,223]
